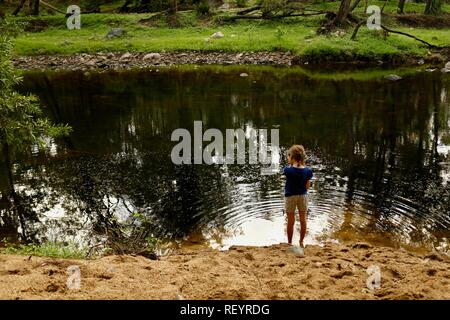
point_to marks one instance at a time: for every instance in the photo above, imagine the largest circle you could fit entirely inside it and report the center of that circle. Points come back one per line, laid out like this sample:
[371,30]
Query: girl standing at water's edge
[298,181]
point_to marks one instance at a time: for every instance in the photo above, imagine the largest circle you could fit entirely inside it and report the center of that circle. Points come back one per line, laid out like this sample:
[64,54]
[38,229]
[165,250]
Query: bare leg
[290,226]
[302,216]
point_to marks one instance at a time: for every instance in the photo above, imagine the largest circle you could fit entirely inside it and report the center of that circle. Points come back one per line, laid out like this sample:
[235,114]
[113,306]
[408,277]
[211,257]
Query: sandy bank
[334,271]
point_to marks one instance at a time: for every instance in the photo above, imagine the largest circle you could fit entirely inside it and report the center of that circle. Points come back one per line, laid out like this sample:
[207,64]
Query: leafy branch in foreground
[21,119]
[134,237]
[22,124]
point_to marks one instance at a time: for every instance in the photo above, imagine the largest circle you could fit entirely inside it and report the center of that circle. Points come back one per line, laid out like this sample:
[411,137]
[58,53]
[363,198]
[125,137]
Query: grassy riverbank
[48,34]
[48,249]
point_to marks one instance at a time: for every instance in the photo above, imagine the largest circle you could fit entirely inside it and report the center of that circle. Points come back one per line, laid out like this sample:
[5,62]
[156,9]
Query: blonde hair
[297,152]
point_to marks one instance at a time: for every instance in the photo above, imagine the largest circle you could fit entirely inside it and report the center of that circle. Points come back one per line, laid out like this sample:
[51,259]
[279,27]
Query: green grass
[48,249]
[297,35]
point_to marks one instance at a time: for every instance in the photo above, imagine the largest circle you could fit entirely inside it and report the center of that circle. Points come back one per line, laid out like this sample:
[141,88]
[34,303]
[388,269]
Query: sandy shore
[334,271]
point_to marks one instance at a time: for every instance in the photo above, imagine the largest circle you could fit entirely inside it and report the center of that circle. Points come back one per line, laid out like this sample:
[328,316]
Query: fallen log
[48,5]
[249,10]
[276,16]
[45,4]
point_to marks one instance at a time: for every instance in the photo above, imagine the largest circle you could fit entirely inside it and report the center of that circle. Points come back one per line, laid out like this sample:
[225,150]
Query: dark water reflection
[380,151]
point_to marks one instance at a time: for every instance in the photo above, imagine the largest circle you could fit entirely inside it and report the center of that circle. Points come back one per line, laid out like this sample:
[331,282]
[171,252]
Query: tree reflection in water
[380,151]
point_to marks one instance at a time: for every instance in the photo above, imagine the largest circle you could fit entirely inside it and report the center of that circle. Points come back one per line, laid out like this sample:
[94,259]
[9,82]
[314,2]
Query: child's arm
[308,182]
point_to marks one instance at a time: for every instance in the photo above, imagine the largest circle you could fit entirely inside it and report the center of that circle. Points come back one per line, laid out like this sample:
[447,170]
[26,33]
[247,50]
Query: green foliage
[433,7]
[161,5]
[273,7]
[134,237]
[203,8]
[47,249]
[241,3]
[279,34]
[141,225]
[152,244]
[445,138]
[9,29]
[242,35]
[93,4]
[21,120]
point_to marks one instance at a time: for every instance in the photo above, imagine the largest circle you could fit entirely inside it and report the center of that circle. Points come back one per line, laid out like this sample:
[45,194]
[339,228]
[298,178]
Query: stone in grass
[91,63]
[116,33]
[126,56]
[244,75]
[217,35]
[393,77]
[152,57]
[446,68]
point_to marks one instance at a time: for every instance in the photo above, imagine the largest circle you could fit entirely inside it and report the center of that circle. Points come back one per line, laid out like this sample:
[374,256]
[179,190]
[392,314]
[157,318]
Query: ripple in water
[379,150]
[335,213]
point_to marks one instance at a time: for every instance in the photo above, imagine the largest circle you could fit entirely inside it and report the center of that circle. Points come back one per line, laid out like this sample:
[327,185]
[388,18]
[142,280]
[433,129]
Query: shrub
[241,3]
[203,8]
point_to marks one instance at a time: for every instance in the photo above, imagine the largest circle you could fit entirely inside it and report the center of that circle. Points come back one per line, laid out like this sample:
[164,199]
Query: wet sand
[334,271]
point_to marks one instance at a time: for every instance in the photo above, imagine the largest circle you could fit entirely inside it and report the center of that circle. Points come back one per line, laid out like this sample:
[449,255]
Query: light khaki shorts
[298,201]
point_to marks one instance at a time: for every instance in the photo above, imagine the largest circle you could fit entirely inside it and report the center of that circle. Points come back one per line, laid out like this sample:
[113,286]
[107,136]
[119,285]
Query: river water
[380,152]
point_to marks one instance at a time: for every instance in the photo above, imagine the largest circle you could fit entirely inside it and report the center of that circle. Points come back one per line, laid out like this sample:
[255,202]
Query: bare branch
[410,36]
[249,10]
[357,29]
[358,26]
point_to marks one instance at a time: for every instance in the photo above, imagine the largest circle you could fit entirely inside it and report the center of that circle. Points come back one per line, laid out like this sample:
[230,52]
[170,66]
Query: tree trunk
[8,164]
[342,14]
[354,5]
[36,7]
[173,7]
[12,194]
[125,8]
[384,6]
[2,14]
[401,6]
[433,7]
[19,7]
